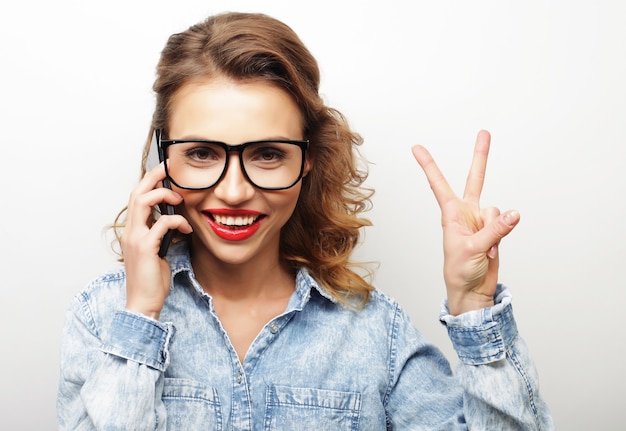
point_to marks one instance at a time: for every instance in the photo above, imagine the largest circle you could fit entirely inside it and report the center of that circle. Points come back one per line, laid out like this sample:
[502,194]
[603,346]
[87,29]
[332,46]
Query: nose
[234,188]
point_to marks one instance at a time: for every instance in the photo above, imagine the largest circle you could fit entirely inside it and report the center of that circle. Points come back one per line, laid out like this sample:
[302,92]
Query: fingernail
[493,252]
[511,217]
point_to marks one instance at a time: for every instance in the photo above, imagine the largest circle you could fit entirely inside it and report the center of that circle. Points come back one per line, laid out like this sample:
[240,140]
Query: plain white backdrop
[545,77]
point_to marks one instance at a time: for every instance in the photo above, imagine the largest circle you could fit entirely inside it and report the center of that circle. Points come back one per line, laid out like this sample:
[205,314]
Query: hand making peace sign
[471,234]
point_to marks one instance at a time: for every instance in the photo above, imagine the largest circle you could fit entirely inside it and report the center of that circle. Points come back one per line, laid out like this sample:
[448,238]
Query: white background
[547,78]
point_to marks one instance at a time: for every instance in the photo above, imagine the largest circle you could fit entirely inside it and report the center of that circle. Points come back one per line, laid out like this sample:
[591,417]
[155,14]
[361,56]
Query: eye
[270,154]
[203,153]
[267,153]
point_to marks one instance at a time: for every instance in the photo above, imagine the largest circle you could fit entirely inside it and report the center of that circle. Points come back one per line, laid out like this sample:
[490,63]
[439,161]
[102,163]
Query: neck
[264,277]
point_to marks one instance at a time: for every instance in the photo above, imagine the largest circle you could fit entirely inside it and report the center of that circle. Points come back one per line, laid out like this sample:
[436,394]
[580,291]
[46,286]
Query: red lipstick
[233,225]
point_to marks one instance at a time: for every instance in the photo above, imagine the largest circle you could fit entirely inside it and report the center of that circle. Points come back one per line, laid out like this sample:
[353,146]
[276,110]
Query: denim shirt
[320,365]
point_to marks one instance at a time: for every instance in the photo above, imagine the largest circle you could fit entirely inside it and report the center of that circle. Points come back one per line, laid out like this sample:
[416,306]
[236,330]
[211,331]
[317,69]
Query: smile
[233,225]
[234,221]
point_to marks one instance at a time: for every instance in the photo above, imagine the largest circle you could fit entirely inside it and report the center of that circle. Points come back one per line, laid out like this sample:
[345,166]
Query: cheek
[190,201]
[285,203]
[294,195]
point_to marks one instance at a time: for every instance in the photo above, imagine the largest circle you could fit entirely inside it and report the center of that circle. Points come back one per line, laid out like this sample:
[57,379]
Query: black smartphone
[157,153]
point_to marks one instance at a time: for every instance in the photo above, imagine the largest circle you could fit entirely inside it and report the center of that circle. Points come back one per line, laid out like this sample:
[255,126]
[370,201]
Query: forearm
[124,394]
[115,383]
[499,379]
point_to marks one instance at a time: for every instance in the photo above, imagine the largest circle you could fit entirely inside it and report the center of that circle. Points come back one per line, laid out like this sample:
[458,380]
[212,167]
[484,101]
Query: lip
[240,233]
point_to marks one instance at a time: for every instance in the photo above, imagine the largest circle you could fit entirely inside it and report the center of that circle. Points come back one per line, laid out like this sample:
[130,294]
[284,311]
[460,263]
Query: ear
[308,165]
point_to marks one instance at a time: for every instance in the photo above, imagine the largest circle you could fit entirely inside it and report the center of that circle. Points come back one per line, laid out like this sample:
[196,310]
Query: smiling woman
[225,179]
[256,318]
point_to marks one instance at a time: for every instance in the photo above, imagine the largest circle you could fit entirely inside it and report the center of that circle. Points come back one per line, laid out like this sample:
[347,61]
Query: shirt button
[239,379]
[274,328]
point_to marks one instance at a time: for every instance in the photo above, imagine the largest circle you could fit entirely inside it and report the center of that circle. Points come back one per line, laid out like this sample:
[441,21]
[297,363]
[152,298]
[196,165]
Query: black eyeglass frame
[303,144]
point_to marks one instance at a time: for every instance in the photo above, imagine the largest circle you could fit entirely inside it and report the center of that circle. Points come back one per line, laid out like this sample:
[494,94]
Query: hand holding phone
[165,209]
[148,276]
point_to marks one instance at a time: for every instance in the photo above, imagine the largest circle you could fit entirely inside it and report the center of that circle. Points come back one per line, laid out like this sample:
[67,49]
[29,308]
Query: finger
[149,240]
[170,222]
[152,179]
[492,233]
[440,187]
[162,226]
[140,205]
[157,196]
[476,176]
[488,215]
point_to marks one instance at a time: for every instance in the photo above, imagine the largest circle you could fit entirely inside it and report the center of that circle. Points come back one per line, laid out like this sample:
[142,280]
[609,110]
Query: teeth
[235,220]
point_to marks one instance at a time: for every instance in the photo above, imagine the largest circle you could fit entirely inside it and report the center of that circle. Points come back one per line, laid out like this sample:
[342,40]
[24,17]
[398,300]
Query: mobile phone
[155,156]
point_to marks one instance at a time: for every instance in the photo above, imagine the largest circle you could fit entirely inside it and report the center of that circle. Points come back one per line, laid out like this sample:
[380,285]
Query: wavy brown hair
[326,224]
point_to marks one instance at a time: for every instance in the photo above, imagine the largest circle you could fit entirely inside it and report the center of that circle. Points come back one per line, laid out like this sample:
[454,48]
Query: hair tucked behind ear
[325,227]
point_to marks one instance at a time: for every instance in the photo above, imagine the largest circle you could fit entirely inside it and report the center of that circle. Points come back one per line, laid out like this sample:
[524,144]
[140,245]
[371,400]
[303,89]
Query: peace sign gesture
[471,234]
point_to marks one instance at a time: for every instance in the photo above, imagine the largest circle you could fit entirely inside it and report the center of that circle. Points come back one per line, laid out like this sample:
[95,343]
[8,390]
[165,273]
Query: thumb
[491,234]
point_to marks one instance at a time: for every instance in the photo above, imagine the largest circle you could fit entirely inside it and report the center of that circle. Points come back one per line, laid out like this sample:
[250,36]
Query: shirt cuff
[140,339]
[482,336]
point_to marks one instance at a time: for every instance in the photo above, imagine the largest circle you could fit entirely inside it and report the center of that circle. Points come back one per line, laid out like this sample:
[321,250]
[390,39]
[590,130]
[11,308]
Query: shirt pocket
[309,408]
[191,405]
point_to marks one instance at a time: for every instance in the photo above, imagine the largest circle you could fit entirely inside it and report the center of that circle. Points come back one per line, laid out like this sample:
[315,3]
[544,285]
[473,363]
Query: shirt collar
[180,262]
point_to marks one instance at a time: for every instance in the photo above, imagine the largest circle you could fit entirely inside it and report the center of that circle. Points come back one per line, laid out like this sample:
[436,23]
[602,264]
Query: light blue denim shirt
[318,366]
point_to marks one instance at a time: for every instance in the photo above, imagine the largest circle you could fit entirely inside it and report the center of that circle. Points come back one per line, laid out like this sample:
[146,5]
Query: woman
[255,318]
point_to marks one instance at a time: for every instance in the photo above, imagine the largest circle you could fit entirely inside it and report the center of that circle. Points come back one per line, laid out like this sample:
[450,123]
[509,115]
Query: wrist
[152,314]
[459,304]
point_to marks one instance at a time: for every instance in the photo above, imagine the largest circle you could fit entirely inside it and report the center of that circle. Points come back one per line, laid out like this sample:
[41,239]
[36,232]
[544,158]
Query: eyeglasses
[275,164]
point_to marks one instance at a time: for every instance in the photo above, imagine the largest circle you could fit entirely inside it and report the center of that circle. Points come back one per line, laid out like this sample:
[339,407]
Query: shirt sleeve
[499,379]
[112,377]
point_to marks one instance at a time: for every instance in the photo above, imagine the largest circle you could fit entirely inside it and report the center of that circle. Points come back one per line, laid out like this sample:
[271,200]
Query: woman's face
[234,221]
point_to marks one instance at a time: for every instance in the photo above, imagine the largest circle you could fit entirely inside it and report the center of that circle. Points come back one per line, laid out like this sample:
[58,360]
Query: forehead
[234,112]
